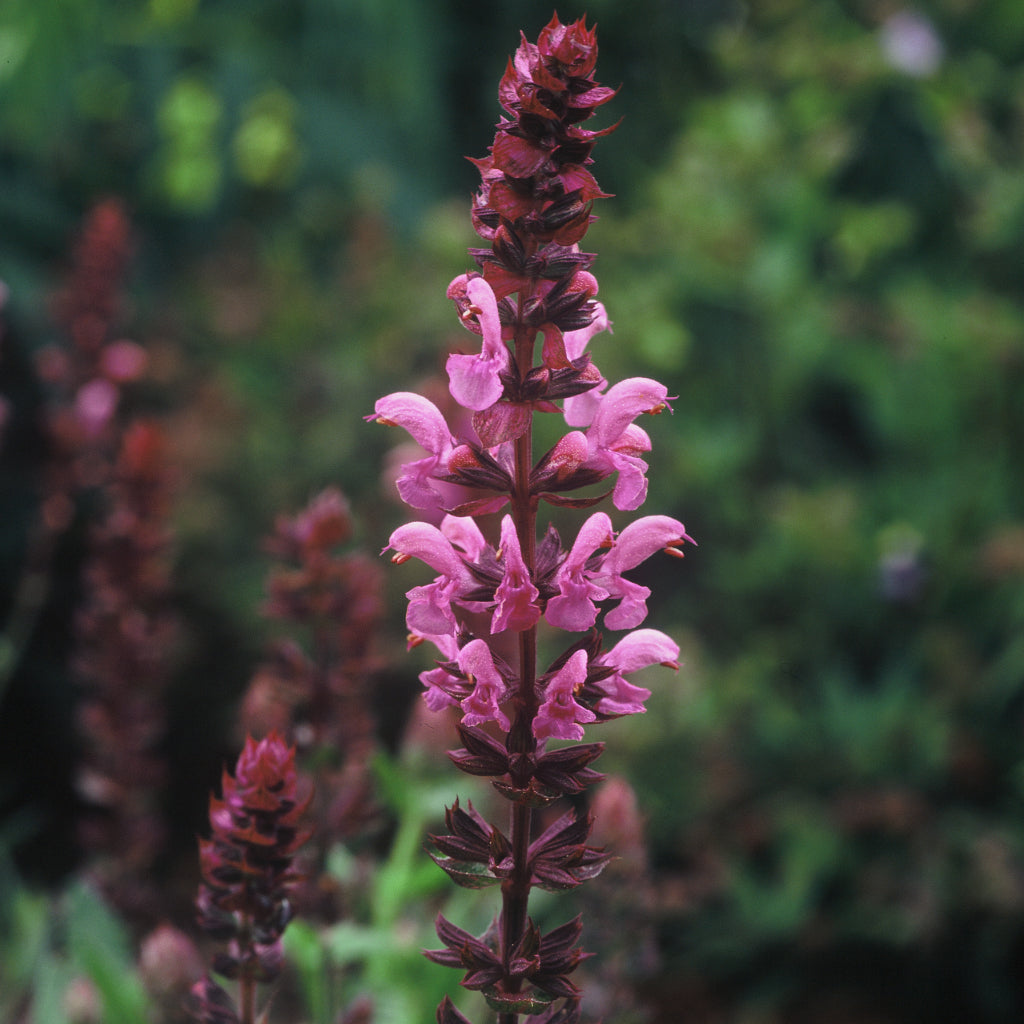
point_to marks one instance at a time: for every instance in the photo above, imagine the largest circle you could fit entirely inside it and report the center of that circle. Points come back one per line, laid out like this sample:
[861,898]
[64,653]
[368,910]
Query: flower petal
[635,651]
[482,705]
[427,543]
[464,534]
[641,539]
[475,380]
[427,426]
[419,416]
[573,607]
[560,716]
[641,649]
[621,404]
[516,596]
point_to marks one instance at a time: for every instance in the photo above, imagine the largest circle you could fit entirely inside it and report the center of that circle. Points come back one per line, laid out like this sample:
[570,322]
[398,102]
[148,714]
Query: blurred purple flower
[911,43]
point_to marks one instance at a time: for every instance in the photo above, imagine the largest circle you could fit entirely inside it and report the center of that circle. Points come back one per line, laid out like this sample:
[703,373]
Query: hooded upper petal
[428,428]
[621,404]
[573,607]
[641,539]
[427,543]
[419,416]
[475,380]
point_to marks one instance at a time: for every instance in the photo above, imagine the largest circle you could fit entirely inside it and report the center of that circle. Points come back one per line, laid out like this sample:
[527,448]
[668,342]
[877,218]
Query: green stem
[246,983]
[30,597]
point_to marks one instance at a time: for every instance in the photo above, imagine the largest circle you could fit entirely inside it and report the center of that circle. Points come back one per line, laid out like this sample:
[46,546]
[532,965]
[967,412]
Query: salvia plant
[248,872]
[532,302]
[314,684]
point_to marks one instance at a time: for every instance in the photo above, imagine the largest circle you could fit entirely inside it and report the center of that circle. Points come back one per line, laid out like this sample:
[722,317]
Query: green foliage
[849,400]
[55,946]
[377,951]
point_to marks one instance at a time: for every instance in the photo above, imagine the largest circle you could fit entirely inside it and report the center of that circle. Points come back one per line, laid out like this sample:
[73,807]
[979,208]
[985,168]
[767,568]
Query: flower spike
[532,300]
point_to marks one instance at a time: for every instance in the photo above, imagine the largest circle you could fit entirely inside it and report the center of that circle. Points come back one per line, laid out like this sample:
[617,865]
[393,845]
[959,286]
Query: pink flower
[464,534]
[475,380]
[615,444]
[573,608]
[95,404]
[635,544]
[428,428]
[430,607]
[123,360]
[579,410]
[516,597]
[436,680]
[477,662]
[635,651]
[560,716]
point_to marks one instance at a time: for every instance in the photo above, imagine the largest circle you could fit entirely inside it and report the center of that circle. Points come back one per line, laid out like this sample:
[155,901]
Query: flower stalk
[532,295]
[248,872]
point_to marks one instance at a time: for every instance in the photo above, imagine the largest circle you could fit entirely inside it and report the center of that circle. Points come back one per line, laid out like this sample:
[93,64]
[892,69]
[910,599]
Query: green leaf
[518,1002]
[350,943]
[305,951]
[468,874]
[99,945]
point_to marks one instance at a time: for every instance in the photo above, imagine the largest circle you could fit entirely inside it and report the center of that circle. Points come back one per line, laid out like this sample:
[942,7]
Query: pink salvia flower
[516,597]
[428,428]
[616,443]
[634,545]
[637,650]
[475,380]
[430,606]
[574,608]
[489,689]
[560,717]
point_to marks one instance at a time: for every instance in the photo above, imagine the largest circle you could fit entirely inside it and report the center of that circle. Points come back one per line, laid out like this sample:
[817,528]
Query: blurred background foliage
[816,241]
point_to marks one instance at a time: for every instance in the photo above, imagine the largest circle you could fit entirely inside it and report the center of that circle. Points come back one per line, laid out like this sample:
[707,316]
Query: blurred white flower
[911,44]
